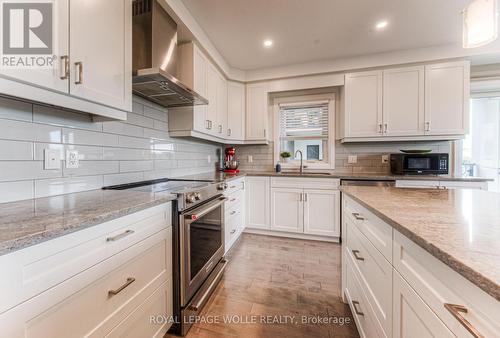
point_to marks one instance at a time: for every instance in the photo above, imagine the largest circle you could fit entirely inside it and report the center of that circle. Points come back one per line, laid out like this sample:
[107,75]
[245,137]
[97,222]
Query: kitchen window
[305,123]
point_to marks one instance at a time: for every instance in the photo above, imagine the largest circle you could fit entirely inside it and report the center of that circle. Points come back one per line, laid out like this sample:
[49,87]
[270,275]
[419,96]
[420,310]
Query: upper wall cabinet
[409,103]
[257,112]
[92,55]
[235,111]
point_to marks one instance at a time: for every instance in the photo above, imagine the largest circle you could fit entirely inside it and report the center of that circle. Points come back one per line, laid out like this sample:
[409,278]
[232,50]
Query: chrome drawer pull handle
[129,281]
[355,305]
[355,253]
[120,236]
[65,67]
[233,231]
[358,216]
[232,187]
[232,212]
[456,311]
[232,200]
[79,64]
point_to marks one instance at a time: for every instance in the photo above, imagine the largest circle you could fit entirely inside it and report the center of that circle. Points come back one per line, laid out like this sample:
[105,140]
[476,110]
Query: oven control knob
[191,198]
[197,196]
[222,186]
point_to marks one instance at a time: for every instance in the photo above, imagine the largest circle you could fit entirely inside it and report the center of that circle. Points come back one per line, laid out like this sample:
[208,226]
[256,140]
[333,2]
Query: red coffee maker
[230,163]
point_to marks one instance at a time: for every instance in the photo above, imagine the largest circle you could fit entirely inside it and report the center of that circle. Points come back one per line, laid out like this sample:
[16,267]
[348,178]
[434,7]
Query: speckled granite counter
[30,222]
[459,227]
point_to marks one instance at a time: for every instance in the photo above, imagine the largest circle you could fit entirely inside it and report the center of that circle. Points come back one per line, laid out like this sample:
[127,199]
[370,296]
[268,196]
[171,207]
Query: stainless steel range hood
[154,58]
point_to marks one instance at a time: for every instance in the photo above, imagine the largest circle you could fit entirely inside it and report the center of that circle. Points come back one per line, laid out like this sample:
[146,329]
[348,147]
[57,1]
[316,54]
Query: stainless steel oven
[201,233]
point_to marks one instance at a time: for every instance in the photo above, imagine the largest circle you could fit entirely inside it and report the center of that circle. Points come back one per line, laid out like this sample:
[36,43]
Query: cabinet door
[363,104]
[403,101]
[447,98]
[212,84]
[53,77]
[287,209]
[200,86]
[236,111]
[322,212]
[257,202]
[100,52]
[221,106]
[412,317]
[256,114]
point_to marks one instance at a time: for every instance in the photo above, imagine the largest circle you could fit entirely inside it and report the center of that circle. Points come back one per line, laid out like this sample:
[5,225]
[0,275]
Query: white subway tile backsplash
[25,170]
[15,110]
[87,153]
[60,117]
[122,128]
[93,168]
[16,150]
[157,134]
[156,114]
[27,131]
[66,185]
[165,164]
[140,120]
[160,125]
[131,166]
[135,142]
[76,136]
[126,154]
[15,191]
[123,178]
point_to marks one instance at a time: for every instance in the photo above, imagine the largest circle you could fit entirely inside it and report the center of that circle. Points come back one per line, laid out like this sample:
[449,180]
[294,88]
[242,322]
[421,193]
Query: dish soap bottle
[278,167]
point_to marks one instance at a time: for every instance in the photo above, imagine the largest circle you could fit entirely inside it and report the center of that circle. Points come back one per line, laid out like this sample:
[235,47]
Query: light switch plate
[351,159]
[385,158]
[72,159]
[52,159]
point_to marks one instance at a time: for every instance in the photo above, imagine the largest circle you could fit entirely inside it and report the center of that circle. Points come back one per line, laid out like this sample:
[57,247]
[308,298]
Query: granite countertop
[459,227]
[30,222]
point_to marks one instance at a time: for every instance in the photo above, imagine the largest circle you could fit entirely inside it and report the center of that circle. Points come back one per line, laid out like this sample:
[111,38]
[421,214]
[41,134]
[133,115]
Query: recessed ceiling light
[268,43]
[381,24]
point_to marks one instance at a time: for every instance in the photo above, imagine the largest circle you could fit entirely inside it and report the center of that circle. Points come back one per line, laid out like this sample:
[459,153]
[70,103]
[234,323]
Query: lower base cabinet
[234,212]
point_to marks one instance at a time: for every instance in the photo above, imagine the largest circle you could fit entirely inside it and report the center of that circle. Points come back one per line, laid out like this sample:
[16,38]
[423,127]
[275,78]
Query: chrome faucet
[301,162]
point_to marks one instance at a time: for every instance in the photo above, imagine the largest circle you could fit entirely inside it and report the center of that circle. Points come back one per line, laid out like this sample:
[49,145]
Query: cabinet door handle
[385,128]
[305,197]
[233,231]
[129,281]
[355,305]
[300,197]
[232,212]
[207,124]
[232,200]
[457,310]
[220,128]
[358,216]
[264,132]
[427,126]
[229,132]
[120,236]
[380,128]
[79,65]
[64,67]
[356,255]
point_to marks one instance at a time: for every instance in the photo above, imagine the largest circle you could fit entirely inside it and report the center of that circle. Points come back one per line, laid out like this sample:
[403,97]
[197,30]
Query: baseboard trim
[291,235]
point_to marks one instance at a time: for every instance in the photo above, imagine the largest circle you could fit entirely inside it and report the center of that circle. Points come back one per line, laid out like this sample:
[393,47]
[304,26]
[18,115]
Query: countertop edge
[479,280]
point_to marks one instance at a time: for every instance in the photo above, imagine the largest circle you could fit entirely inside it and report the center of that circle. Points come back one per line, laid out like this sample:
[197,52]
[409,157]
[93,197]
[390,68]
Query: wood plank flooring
[268,278]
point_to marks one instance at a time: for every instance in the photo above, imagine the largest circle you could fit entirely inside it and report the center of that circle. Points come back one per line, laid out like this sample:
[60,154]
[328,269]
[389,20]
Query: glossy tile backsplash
[110,152]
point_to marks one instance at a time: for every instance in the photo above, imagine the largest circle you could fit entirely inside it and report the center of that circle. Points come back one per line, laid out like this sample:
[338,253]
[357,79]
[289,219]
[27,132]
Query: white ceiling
[312,30]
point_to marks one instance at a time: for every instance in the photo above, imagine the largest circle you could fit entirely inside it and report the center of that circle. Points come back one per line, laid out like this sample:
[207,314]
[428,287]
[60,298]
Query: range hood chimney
[154,57]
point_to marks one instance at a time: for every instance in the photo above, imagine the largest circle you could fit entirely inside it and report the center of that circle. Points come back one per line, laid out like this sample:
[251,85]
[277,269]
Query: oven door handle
[203,210]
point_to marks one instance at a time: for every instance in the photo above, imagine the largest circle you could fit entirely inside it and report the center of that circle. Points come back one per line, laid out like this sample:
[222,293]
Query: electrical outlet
[352,159]
[250,159]
[72,159]
[52,159]
[385,158]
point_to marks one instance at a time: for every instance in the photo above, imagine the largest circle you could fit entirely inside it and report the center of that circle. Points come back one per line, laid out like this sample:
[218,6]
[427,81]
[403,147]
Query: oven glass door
[203,237]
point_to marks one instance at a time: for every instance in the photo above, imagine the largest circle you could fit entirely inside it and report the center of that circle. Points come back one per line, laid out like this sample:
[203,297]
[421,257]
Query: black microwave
[419,164]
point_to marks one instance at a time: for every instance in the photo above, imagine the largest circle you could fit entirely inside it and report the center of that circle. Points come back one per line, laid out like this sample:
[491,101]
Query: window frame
[303,99]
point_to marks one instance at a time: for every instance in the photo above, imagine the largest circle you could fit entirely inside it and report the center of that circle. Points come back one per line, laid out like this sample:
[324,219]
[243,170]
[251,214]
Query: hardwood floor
[268,278]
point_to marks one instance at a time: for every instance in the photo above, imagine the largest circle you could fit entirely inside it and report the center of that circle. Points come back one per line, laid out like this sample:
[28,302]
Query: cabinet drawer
[375,274]
[235,200]
[430,278]
[100,304]
[35,269]
[234,185]
[364,318]
[305,183]
[376,231]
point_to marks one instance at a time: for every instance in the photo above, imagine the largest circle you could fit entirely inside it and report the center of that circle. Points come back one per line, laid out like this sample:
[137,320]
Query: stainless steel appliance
[154,57]
[198,242]
[419,164]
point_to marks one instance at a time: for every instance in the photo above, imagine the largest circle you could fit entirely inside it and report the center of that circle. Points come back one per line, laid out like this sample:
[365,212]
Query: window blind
[304,122]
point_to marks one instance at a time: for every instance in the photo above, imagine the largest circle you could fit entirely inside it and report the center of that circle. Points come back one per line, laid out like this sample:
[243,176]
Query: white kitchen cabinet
[412,317]
[212,88]
[363,104]
[321,210]
[447,98]
[441,184]
[256,112]
[236,111]
[403,101]
[257,202]
[100,52]
[234,212]
[221,107]
[287,210]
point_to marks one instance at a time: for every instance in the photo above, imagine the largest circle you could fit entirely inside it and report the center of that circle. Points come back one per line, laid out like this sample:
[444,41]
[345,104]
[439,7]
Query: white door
[363,104]
[221,106]
[235,111]
[256,114]
[447,98]
[412,318]
[403,101]
[200,86]
[212,85]
[100,52]
[287,209]
[52,77]
[322,212]
[257,202]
